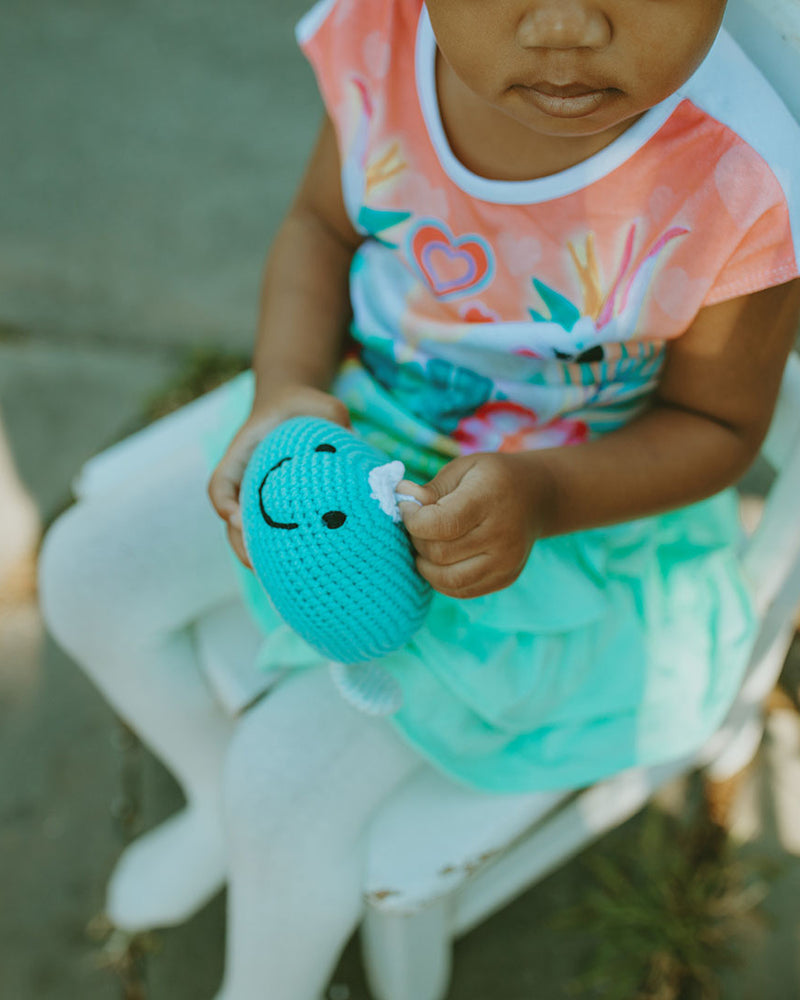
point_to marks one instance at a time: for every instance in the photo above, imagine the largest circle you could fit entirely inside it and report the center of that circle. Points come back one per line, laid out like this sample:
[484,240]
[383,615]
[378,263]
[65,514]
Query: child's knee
[71,577]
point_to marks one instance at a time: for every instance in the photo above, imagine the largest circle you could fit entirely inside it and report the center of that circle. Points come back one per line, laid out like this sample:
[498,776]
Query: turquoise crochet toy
[324,535]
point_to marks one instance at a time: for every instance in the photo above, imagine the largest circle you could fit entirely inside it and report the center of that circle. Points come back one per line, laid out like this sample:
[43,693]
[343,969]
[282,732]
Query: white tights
[278,800]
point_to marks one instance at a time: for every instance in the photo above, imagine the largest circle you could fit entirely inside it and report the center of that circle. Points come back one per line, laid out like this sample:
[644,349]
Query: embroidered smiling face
[311,478]
[335,566]
[331,519]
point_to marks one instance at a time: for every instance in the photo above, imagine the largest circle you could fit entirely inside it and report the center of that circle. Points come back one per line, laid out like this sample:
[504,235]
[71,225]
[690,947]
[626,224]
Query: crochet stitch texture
[335,566]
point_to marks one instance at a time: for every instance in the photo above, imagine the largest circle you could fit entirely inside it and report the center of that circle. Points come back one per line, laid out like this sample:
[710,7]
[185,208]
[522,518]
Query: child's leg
[121,578]
[304,774]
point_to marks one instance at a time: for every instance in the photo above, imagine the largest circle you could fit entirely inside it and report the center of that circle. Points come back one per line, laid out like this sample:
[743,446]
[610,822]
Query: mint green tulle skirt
[616,647]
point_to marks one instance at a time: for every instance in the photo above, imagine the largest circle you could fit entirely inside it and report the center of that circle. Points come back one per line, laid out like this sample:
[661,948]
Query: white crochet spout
[383,481]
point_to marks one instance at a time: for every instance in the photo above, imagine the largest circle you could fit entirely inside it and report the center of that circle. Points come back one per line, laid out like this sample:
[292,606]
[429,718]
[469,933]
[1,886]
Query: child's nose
[563,24]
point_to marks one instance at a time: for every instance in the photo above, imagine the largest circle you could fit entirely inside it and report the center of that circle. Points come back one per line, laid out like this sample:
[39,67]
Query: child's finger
[223,486]
[441,521]
[237,544]
[468,578]
[448,553]
[446,513]
[422,493]
[224,499]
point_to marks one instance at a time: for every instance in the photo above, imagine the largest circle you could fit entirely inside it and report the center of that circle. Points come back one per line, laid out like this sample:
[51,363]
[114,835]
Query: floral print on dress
[436,391]
[572,333]
[506,426]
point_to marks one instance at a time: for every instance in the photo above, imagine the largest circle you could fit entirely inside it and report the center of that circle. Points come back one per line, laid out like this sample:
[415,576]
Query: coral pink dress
[505,315]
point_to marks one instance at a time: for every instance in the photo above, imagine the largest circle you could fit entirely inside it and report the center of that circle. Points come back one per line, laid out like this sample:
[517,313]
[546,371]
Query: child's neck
[493,145]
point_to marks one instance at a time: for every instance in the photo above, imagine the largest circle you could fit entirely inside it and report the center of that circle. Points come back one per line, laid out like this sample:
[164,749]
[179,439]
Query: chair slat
[773,551]
[435,833]
[785,427]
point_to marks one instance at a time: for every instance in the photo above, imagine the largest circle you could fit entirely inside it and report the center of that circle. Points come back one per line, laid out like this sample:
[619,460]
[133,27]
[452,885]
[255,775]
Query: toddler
[545,252]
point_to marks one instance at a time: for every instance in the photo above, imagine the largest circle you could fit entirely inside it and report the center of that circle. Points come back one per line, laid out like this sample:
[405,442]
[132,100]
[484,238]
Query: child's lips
[563,89]
[572,100]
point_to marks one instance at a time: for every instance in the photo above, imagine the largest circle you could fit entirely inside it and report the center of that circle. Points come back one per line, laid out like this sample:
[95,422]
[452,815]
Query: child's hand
[479,521]
[223,487]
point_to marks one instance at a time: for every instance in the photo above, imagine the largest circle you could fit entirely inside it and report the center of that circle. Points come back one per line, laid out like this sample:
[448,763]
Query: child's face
[574,67]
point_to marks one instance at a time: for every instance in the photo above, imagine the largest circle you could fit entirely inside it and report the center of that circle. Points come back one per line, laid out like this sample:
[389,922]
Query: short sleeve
[765,257]
[340,38]
[753,198]
[317,38]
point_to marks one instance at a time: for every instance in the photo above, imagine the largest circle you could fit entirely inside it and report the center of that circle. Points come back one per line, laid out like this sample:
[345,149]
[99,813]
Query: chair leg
[720,796]
[408,956]
[726,774]
[740,747]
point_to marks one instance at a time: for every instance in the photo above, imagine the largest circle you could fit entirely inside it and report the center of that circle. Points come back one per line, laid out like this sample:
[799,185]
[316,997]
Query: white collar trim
[540,189]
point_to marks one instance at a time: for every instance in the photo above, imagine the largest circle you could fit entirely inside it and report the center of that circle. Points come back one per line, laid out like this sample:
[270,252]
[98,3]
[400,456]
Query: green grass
[670,901]
[11,332]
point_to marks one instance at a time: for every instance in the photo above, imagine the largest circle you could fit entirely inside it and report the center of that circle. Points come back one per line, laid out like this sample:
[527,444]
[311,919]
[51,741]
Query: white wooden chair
[442,859]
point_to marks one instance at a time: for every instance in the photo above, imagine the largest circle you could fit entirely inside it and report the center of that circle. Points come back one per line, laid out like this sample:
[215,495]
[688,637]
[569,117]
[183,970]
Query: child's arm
[303,319]
[710,414]
[305,302]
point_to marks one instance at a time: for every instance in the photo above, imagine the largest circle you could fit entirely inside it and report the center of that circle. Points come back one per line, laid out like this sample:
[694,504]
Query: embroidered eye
[325,447]
[334,519]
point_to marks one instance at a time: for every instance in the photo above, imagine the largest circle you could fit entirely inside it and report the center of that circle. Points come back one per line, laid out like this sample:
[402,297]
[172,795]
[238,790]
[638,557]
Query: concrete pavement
[148,152]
